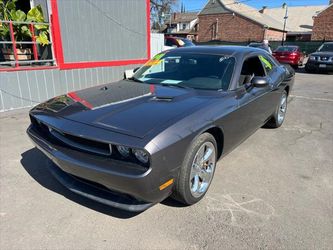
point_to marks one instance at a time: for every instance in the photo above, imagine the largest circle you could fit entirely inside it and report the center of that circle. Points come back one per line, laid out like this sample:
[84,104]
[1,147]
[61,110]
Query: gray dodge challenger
[135,142]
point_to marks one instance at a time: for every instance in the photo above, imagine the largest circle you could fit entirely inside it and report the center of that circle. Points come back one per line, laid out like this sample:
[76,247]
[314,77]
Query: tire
[192,178]
[280,113]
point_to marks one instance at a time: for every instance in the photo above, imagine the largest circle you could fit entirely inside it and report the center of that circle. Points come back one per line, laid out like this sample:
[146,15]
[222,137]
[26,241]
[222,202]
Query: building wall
[231,27]
[323,25]
[273,35]
[99,41]
[98,30]
[28,88]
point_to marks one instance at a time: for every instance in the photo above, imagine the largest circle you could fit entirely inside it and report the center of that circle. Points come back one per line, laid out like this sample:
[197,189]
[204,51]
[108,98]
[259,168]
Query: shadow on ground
[35,163]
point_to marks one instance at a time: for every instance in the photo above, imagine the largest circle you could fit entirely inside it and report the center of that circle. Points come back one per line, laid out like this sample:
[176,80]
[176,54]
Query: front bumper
[319,66]
[114,183]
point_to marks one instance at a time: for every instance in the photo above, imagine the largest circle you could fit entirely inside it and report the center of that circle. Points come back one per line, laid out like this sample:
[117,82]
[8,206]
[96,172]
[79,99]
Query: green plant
[5,9]
[36,15]
[8,12]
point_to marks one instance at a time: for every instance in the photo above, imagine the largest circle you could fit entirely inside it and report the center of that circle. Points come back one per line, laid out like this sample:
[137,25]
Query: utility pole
[285,6]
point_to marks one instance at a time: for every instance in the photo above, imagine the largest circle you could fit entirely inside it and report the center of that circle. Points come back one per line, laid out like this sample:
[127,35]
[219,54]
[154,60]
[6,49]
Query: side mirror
[259,82]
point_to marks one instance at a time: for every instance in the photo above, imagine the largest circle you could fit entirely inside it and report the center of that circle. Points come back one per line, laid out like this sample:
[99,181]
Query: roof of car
[224,50]
[292,46]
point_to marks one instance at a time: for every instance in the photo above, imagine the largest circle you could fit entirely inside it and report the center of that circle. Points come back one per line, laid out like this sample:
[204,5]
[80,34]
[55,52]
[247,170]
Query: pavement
[275,191]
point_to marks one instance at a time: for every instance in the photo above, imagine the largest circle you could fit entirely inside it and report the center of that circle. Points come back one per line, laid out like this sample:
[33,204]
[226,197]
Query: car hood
[125,107]
[324,53]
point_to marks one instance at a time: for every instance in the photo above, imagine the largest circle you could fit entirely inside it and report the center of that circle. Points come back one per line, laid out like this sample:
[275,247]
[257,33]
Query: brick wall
[323,25]
[273,35]
[230,28]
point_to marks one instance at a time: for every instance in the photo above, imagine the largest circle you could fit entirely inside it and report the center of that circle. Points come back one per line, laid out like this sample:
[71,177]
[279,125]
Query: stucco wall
[99,30]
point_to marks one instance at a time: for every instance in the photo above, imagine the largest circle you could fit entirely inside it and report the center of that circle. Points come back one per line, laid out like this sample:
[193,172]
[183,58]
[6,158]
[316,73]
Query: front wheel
[197,170]
[280,113]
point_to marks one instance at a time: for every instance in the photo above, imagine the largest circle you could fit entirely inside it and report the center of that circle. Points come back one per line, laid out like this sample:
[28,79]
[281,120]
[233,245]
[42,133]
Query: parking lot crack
[311,98]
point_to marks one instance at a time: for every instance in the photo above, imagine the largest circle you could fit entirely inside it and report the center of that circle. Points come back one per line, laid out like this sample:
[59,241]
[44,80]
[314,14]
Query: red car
[172,41]
[289,55]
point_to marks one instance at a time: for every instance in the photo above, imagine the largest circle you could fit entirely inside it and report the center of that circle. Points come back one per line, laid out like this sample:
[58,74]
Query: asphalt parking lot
[274,191]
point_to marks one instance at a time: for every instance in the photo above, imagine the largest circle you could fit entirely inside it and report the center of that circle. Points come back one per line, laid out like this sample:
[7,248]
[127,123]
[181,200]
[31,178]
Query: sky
[197,5]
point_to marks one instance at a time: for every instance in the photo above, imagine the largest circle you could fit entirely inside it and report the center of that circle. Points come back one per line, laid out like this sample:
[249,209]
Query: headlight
[123,150]
[312,58]
[141,155]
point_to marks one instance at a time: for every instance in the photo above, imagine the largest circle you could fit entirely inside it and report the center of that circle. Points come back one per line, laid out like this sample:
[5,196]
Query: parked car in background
[291,55]
[264,46]
[321,60]
[133,143]
[176,42]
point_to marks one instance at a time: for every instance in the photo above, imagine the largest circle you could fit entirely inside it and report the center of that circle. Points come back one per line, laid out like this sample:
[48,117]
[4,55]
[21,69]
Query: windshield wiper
[135,79]
[174,85]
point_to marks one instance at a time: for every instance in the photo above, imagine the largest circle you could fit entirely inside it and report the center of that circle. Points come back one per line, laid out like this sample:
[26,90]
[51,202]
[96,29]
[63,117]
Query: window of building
[24,43]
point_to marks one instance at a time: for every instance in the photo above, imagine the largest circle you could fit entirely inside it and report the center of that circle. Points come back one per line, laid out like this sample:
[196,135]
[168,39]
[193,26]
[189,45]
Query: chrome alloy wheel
[282,108]
[202,169]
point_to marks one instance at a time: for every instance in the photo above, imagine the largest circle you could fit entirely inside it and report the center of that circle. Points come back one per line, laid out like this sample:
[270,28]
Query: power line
[114,20]
[254,9]
[19,97]
[228,4]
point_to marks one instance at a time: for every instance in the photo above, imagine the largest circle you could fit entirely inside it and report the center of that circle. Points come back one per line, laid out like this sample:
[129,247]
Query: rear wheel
[280,113]
[197,170]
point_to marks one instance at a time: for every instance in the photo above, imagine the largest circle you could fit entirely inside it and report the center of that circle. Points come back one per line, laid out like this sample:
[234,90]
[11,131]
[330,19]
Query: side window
[267,63]
[252,67]
[168,42]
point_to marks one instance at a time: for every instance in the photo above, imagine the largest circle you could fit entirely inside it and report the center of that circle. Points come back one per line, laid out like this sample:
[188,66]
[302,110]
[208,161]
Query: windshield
[326,47]
[286,49]
[188,70]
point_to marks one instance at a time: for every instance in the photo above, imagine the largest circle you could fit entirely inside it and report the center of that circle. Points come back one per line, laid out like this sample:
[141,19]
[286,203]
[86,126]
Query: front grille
[72,141]
[102,149]
[82,143]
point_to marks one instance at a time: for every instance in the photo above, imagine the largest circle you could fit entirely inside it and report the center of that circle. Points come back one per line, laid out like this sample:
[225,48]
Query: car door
[275,77]
[255,104]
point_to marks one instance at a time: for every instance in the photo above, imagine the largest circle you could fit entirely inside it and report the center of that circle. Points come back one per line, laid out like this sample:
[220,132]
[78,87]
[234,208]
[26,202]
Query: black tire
[275,122]
[182,191]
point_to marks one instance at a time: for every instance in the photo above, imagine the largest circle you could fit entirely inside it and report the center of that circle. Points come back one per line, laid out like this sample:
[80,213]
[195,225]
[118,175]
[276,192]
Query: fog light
[141,155]
[123,150]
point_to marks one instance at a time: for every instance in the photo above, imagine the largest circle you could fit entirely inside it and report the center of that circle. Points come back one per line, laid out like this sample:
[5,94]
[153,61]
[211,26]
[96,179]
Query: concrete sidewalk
[274,191]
